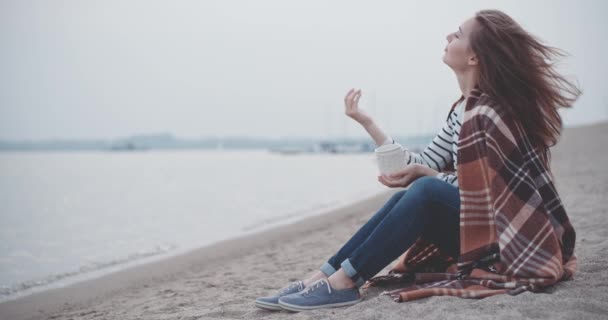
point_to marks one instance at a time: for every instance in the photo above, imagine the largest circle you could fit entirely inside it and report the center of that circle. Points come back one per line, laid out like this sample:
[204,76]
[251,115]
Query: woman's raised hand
[351,103]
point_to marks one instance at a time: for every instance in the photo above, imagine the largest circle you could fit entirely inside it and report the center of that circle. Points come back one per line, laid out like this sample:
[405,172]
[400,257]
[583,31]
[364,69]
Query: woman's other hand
[404,177]
[351,103]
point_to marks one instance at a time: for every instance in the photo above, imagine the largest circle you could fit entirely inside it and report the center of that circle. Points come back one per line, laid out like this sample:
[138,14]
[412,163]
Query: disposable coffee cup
[391,158]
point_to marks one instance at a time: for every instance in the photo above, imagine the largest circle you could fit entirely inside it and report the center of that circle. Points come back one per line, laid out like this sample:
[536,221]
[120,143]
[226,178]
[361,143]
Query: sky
[266,68]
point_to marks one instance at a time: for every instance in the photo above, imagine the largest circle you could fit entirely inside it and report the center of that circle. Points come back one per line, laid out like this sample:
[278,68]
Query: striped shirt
[443,150]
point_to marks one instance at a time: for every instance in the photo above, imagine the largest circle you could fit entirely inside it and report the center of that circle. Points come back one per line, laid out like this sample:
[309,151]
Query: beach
[221,281]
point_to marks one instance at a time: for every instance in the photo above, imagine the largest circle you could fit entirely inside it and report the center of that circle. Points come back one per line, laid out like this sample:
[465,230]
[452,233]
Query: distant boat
[331,147]
[289,150]
[327,147]
[129,146]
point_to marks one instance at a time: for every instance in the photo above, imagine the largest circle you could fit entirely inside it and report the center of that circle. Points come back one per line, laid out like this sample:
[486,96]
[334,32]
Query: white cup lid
[388,147]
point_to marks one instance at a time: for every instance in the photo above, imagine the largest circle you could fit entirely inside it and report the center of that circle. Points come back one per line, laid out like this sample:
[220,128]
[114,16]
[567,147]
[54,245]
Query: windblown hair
[518,71]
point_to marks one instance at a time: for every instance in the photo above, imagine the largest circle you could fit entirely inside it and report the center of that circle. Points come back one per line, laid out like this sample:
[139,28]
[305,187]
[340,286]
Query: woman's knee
[397,195]
[432,189]
[424,184]
[388,206]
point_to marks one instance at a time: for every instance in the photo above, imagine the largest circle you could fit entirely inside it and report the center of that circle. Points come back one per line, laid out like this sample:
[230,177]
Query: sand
[222,281]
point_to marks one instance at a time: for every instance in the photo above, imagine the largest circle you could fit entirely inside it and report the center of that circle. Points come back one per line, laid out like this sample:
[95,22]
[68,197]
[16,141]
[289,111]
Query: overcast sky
[264,68]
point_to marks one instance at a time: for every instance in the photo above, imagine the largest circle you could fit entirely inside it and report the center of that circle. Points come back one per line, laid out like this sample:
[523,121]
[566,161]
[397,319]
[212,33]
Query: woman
[498,216]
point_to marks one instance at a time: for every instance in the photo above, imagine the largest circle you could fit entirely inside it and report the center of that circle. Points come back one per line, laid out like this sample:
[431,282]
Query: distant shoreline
[168,142]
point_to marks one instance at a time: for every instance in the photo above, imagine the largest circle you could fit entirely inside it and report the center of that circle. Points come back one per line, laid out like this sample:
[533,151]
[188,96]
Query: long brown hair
[518,71]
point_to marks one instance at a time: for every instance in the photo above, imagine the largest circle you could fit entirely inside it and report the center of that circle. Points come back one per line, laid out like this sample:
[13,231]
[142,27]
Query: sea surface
[70,216]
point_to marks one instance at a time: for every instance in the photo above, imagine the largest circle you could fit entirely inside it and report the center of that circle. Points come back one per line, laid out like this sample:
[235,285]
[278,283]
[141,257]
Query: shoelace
[316,285]
[299,284]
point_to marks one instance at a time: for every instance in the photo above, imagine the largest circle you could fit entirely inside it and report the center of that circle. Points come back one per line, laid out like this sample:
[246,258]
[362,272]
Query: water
[66,216]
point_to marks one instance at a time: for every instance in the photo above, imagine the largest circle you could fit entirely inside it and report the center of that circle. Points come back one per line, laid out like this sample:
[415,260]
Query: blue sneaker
[272,302]
[320,295]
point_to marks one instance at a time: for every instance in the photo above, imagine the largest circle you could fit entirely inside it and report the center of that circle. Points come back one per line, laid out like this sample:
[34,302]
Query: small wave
[6,291]
[299,213]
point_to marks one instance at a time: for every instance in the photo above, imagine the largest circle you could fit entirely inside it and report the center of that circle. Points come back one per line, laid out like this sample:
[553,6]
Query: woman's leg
[430,206]
[356,240]
[272,302]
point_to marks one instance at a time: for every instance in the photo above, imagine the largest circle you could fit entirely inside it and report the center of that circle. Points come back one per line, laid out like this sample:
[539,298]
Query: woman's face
[458,54]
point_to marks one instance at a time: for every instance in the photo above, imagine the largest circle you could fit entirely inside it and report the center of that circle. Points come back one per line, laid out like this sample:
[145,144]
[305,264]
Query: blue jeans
[429,207]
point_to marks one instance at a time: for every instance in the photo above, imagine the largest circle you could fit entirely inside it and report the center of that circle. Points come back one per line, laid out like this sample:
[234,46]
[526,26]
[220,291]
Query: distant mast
[372,102]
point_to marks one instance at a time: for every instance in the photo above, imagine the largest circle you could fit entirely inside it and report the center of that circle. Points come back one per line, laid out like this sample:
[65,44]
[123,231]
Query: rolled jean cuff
[352,273]
[327,269]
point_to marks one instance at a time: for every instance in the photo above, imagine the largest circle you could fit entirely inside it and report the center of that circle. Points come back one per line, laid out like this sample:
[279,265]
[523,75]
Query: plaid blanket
[515,235]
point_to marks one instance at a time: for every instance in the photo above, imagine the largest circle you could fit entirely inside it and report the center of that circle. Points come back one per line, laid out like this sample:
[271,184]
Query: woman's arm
[430,162]
[438,154]
[380,138]
[352,110]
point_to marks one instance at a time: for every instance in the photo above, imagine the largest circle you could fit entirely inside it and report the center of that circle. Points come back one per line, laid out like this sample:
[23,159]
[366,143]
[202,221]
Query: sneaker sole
[296,308]
[268,306]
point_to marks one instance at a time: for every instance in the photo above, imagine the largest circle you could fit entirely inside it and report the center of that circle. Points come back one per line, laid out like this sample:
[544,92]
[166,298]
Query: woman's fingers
[397,175]
[402,173]
[396,182]
[356,98]
[381,179]
[402,181]
[347,100]
[348,95]
[388,182]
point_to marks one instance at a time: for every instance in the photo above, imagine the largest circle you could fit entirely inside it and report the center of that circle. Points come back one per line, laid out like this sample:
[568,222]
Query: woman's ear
[473,61]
